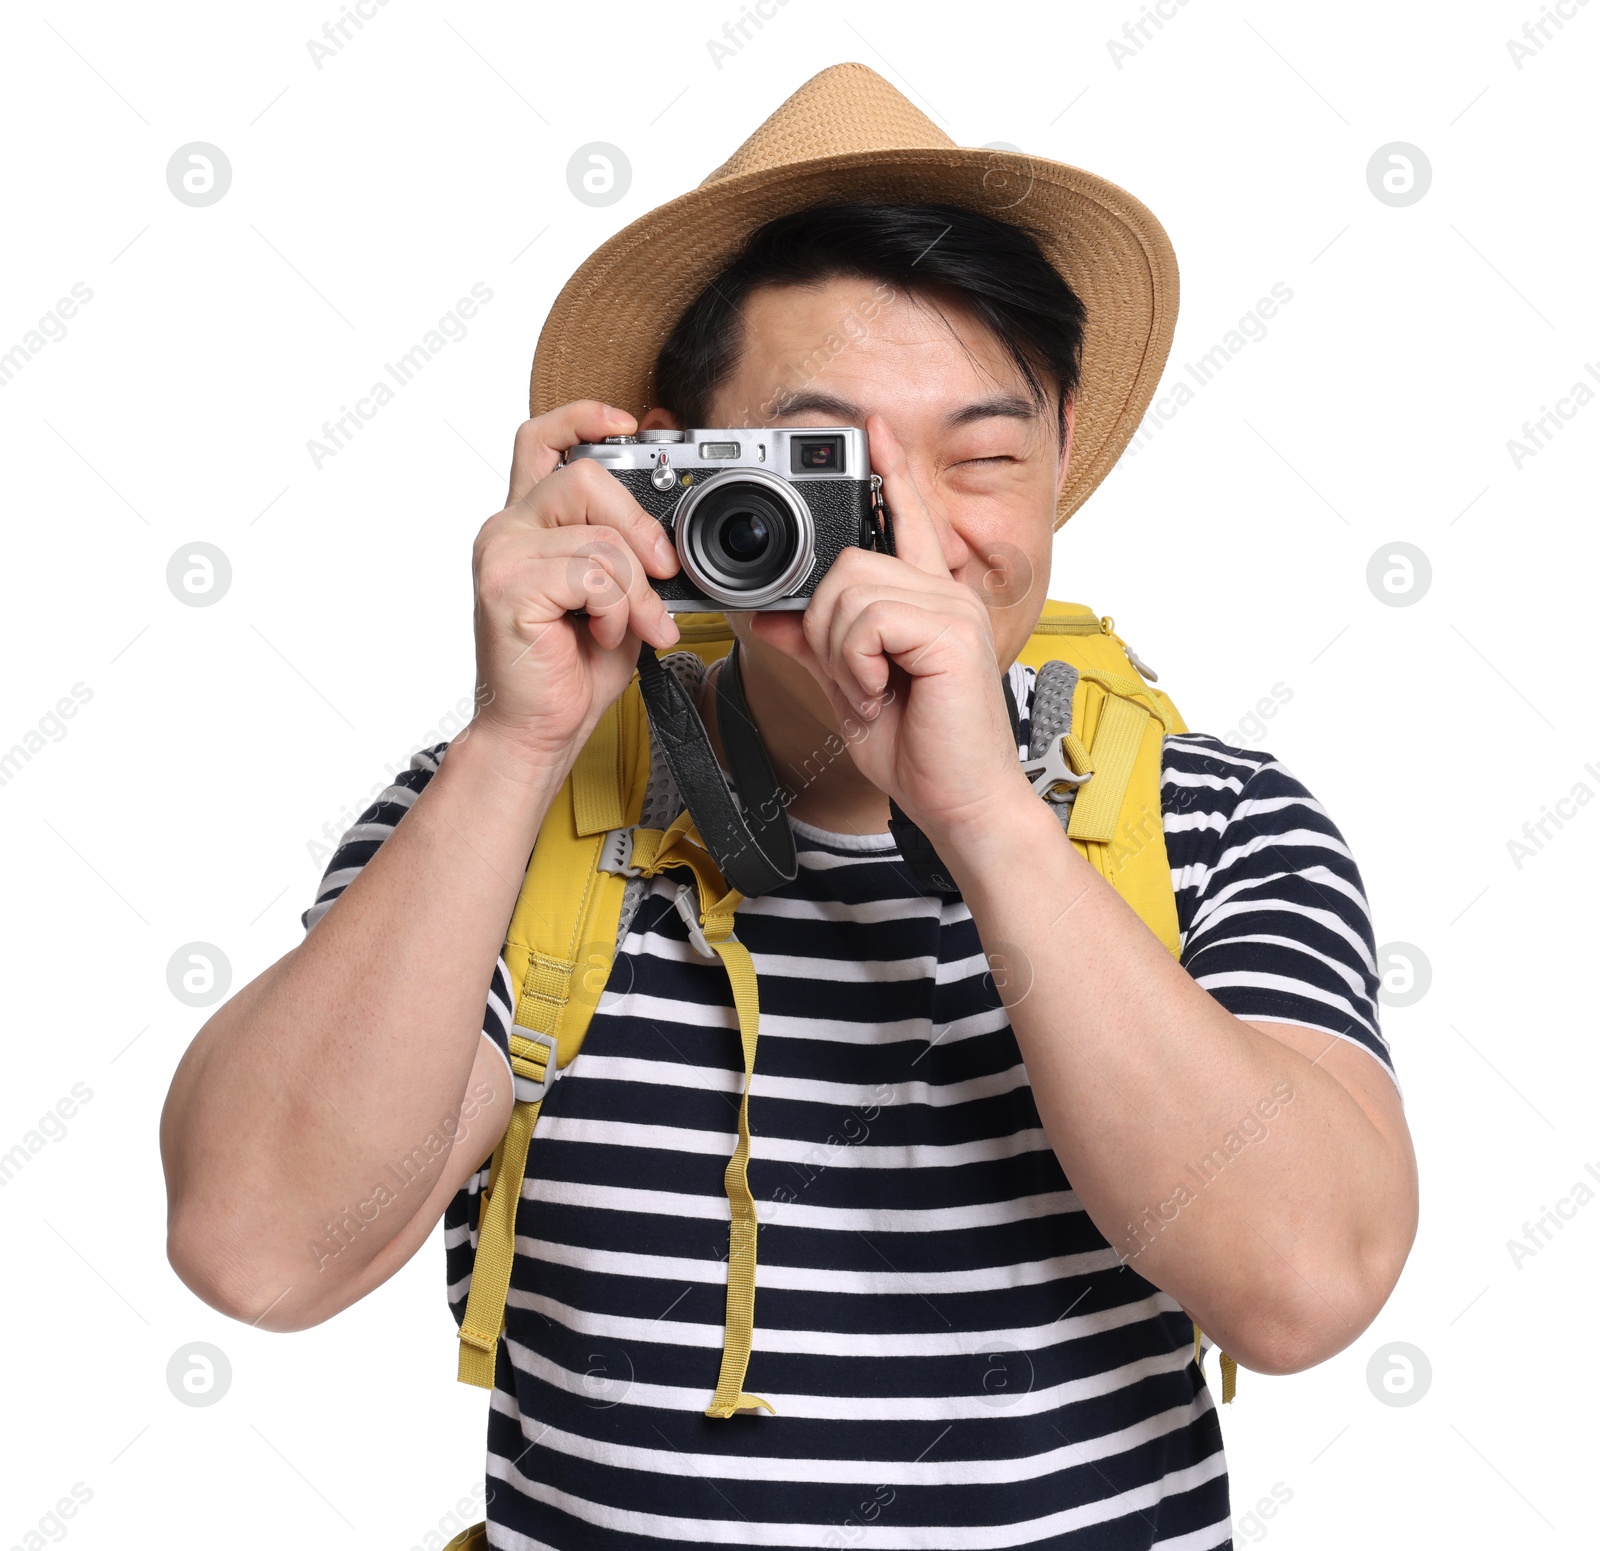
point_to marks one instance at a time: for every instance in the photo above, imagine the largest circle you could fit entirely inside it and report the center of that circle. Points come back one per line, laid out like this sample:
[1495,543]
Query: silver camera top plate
[790,452]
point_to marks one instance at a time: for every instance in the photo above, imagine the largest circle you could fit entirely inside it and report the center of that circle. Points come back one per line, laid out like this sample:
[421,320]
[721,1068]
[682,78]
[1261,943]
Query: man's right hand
[570,537]
[304,1086]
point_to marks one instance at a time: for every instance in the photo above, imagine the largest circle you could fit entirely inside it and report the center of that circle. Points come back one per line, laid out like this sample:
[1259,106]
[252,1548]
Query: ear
[1067,414]
[658,419]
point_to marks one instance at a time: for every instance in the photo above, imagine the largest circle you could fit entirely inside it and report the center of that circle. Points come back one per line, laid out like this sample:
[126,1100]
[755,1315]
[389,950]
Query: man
[958,1346]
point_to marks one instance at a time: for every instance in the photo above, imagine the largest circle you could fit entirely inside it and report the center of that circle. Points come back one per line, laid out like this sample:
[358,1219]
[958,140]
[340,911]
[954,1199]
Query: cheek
[1009,570]
[1006,573]
[1012,581]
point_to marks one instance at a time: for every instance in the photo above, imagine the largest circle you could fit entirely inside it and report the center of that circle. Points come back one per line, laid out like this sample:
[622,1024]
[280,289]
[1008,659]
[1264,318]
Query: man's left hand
[905,653]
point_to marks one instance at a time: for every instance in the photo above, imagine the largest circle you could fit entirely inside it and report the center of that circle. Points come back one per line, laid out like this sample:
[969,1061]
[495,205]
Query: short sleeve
[1273,918]
[375,824]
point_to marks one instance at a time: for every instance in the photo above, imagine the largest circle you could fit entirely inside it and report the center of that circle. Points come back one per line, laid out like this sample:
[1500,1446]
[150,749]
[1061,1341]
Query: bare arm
[349,1068]
[1143,1080]
[322,1119]
[1138,1071]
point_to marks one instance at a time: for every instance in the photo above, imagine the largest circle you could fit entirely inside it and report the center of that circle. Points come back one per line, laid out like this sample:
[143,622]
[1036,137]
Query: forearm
[1230,1170]
[343,1065]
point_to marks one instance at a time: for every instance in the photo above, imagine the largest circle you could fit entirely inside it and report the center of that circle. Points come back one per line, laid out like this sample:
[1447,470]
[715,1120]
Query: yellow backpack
[561,940]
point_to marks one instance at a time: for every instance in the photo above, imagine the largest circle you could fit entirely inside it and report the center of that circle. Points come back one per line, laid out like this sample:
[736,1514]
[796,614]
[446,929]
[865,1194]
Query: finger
[538,595]
[916,535]
[867,619]
[617,592]
[870,571]
[589,568]
[905,630]
[852,583]
[859,681]
[541,441]
[583,493]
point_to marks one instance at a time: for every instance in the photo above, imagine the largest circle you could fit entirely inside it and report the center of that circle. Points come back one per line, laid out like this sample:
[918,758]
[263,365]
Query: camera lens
[744,538]
[745,535]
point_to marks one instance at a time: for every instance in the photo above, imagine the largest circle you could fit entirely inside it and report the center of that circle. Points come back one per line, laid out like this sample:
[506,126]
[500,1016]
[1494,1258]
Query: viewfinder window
[816,455]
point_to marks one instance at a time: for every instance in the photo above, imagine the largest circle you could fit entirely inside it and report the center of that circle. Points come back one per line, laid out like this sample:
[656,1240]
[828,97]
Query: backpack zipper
[1087,624]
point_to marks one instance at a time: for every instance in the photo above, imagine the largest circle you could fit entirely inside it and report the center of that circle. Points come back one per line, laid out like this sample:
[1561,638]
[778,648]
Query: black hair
[996,270]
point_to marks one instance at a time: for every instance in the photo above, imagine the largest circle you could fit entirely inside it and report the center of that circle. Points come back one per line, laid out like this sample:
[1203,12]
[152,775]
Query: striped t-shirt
[956,1355]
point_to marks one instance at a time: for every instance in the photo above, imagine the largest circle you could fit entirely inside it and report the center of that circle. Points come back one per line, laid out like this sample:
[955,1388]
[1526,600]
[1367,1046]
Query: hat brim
[606,327]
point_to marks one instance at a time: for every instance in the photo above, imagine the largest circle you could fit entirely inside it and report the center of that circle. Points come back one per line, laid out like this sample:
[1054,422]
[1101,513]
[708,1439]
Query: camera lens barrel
[745,538]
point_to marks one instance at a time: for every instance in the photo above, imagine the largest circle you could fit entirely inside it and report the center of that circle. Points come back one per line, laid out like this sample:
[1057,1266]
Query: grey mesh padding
[661,801]
[1051,716]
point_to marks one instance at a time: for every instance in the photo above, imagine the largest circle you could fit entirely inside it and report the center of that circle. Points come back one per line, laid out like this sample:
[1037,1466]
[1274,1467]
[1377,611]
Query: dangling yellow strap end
[743,1403]
[476,1363]
[1230,1369]
[491,1263]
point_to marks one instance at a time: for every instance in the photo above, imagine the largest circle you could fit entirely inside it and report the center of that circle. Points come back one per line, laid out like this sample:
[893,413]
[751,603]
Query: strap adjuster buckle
[1051,770]
[684,903]
[616,853]
[539,1086]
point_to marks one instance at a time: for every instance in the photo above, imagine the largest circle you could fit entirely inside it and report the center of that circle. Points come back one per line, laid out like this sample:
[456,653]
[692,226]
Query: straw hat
[847,134]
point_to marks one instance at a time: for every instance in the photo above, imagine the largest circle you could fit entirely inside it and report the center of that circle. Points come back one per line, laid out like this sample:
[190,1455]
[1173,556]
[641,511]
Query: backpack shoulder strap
[558,948]
[562,934]
[1111,739]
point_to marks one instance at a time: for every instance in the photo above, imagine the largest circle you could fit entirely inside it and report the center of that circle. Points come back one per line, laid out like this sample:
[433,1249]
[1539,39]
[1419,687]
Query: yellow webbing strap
[675,846]
[598,778]
[1118,733]
[741,1311]
[558,951]
[497,1230]
[1230,1369]
[1077,752]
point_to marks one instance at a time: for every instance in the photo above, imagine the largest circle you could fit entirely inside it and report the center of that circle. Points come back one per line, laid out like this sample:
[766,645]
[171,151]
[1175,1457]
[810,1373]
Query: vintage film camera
[757,516]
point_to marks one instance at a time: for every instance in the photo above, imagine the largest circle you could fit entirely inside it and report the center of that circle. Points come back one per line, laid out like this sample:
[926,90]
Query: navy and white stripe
[1272,914]
[956,1355]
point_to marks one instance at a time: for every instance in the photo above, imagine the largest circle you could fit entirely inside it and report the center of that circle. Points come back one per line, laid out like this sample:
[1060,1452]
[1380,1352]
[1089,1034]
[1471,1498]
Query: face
[987,459]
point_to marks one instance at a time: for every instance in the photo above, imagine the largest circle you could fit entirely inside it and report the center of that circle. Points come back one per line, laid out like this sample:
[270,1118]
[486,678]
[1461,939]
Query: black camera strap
[754,848]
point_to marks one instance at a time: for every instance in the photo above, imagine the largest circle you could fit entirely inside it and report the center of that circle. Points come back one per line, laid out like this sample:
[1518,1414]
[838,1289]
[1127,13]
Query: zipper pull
[1145,671]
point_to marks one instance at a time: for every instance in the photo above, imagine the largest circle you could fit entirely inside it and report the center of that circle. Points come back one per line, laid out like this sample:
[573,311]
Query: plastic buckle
[540,1085]
[616,853]
[684,903]
[1051,770]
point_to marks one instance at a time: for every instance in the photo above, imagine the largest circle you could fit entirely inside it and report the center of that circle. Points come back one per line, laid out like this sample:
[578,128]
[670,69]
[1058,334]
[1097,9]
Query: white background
[428,154]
